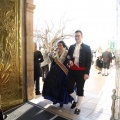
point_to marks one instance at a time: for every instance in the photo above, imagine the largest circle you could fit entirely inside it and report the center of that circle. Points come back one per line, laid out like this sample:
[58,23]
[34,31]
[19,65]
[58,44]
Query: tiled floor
[97,102]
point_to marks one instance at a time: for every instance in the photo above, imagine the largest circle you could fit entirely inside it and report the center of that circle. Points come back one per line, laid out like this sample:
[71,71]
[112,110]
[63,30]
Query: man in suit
[79,59]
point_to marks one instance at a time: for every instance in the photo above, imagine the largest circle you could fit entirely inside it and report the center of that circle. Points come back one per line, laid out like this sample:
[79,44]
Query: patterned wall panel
[11,86]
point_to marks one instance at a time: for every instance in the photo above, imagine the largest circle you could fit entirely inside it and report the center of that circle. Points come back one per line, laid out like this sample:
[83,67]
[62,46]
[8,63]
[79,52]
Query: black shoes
[73,105]
[61,105]
[38,93]
[77,111]
[54,103]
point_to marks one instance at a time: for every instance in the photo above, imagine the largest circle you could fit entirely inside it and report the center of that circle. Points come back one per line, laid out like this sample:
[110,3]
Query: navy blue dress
[54,88]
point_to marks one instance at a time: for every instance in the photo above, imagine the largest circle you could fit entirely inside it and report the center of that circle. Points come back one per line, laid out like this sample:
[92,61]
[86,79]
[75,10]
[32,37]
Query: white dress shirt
[77,53]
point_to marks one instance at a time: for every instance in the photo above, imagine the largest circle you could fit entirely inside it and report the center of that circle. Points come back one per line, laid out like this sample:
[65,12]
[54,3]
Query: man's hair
[79,31]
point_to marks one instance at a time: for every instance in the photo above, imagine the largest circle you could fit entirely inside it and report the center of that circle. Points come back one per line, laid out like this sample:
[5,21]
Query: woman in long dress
[54,88]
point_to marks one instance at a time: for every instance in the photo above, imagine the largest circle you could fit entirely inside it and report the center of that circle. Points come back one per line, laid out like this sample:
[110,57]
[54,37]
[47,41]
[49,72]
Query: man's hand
[86,76]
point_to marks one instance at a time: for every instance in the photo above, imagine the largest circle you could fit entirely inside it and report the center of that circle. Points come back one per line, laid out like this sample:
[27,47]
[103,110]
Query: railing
[113,107]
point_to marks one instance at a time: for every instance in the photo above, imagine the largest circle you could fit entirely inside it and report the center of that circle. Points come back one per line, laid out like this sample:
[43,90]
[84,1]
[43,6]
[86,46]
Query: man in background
[107,58]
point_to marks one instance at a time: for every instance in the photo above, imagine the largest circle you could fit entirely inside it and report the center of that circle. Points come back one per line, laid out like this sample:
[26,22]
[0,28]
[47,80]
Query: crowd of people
[64,71]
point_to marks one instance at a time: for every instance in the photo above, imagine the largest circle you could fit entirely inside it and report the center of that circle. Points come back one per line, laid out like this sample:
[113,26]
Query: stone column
[29,49]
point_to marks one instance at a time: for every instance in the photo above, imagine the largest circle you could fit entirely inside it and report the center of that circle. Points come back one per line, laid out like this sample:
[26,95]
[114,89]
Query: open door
[11,54]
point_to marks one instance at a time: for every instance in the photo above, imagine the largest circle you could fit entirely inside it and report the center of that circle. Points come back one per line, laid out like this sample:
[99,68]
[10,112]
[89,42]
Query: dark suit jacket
[84,57]
[38,58]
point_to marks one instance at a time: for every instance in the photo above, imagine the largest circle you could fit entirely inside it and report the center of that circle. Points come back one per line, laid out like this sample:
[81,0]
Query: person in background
[79,59]
[45,64]
[54,88]
[107,57]
[98,64]
[38,58]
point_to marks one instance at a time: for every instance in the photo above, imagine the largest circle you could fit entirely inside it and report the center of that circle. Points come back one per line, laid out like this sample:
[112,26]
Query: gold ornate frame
[11,53]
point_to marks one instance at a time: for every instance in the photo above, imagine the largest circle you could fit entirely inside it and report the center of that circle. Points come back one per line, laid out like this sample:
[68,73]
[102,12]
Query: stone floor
[97,101]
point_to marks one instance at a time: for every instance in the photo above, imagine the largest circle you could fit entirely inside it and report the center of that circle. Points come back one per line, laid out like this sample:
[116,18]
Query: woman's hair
[64,45]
